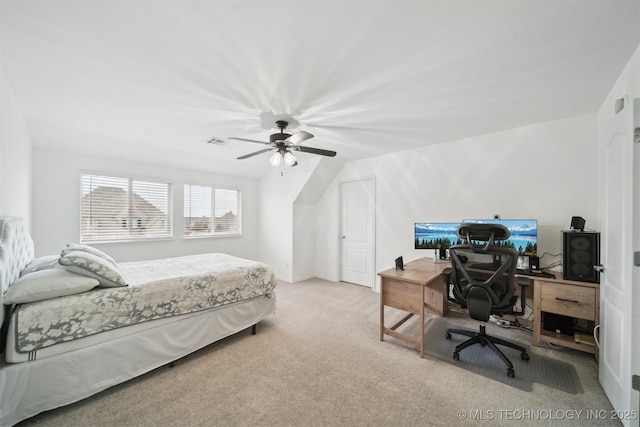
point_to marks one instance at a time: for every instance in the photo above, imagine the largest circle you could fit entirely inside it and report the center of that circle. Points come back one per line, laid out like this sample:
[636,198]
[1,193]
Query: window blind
[211,211]
[117,208]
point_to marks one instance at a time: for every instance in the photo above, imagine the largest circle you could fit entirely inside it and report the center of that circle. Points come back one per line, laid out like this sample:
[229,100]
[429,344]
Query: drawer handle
[568,300]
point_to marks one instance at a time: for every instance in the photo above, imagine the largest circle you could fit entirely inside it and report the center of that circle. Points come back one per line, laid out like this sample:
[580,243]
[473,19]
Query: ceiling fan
[284,144]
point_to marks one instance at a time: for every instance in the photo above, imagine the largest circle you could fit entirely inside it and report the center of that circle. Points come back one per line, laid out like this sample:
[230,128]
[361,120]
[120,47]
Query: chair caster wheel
[456,355]
[511,373]
[447,335]
[524,356]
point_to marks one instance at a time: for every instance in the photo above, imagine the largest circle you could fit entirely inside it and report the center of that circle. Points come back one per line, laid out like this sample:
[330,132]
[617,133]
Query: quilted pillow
[46,284]
[91,265]
[89,249]
[41,263]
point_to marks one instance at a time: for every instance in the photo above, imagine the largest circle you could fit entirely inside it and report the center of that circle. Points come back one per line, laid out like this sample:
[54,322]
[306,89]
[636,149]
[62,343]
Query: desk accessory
[577,223]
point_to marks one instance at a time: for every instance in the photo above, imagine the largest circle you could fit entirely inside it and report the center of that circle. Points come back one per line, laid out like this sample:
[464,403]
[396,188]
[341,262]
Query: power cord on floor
[503,323]
[555,346]
[512,324]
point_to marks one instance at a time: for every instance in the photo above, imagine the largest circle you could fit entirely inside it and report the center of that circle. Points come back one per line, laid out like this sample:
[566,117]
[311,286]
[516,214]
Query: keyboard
[531,273]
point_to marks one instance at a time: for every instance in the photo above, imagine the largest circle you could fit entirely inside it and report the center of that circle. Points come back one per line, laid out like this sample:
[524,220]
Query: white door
[357,224]
[617,331]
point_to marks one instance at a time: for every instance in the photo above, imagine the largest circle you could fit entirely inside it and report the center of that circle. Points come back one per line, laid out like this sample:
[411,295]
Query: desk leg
[404,298]
[382,309]
[422,325]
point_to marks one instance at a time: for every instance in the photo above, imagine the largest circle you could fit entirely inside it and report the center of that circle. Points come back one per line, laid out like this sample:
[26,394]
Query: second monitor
[524,234]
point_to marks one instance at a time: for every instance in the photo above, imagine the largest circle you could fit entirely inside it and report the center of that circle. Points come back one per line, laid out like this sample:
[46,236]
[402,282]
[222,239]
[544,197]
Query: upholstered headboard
[16,251]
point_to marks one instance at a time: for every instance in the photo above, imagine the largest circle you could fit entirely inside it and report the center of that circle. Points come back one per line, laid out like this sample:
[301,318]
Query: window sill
[212,236]
[124,241]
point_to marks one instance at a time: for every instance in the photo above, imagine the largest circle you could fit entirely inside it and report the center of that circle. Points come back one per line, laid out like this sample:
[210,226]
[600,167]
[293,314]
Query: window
[211,211]
[116,208]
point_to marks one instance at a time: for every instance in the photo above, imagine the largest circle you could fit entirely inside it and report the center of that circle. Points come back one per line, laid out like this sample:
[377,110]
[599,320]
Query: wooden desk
[420,285]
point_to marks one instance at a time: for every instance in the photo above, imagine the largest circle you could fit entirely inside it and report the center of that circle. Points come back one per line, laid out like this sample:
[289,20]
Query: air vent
[217,141]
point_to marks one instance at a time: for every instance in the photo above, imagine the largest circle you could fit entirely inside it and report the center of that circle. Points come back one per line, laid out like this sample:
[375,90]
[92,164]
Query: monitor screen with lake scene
[436,235]
[524,234]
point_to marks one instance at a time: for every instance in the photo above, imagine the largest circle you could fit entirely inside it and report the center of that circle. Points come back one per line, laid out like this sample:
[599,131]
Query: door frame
[372,248]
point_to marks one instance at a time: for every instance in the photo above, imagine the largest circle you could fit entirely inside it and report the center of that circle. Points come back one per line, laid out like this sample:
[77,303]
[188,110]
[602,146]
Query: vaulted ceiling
[154,80]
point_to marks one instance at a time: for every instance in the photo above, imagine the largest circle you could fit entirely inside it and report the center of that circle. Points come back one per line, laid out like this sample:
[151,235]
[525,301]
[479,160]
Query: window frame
[131,221]
[213,233]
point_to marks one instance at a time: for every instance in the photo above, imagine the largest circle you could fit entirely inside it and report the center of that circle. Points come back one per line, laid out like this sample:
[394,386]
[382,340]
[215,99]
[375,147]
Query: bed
[74,325]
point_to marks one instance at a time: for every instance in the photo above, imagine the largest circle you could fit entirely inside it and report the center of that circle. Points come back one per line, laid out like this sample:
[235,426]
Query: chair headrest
[483,232]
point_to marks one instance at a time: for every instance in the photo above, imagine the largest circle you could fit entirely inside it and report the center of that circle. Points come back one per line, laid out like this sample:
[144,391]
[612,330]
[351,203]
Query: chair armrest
[447,282]
[524,283]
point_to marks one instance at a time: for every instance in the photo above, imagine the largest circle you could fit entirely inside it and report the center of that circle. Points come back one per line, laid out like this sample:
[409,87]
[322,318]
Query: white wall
[545,171]
[56,207]
[15,157]
[304,238]
[277,227]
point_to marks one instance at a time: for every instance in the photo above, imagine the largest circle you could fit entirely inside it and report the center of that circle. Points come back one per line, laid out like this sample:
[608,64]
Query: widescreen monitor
[436,235]
[524,234]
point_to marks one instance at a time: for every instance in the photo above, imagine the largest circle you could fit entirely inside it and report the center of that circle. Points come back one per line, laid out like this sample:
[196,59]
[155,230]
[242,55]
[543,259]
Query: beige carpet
[319,362]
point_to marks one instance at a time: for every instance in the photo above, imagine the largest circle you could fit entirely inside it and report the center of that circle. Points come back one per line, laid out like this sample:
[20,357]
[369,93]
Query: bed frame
[32,387]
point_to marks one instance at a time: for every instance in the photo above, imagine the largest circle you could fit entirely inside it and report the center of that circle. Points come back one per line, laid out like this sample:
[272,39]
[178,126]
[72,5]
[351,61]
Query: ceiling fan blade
[246,156]
[314,150]
[299,137]
[249,140]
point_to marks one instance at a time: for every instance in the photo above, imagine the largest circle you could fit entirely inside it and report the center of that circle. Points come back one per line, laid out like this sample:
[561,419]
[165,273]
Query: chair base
[483,339]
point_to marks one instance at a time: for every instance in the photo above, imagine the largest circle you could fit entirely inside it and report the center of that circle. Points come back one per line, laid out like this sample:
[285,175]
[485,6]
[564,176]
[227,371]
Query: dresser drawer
[568,300]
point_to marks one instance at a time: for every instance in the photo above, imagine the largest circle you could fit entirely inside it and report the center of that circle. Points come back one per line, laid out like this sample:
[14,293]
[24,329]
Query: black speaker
[581,255]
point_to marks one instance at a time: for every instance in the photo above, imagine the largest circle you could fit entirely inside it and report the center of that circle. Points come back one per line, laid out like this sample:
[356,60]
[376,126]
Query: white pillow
[89,249]
[93,266]
[46,284]
[41,263]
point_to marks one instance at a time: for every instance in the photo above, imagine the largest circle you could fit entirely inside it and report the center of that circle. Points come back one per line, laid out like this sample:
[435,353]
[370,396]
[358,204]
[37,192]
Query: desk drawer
[573,301]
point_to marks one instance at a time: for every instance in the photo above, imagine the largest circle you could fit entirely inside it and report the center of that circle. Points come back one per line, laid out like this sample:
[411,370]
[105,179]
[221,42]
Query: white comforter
[157,289]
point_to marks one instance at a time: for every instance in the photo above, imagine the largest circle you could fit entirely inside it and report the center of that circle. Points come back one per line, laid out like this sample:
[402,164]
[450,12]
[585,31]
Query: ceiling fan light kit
[279,159]
[284,144]
[276,159]
[289,159]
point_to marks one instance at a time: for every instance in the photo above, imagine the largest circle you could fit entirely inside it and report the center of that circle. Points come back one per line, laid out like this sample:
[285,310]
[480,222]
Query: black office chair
[484,288]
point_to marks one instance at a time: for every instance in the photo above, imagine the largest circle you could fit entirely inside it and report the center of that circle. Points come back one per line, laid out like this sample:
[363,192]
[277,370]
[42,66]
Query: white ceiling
[154,80]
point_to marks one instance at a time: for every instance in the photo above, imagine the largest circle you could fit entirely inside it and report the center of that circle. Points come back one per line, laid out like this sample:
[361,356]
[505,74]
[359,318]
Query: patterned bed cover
[157,289]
